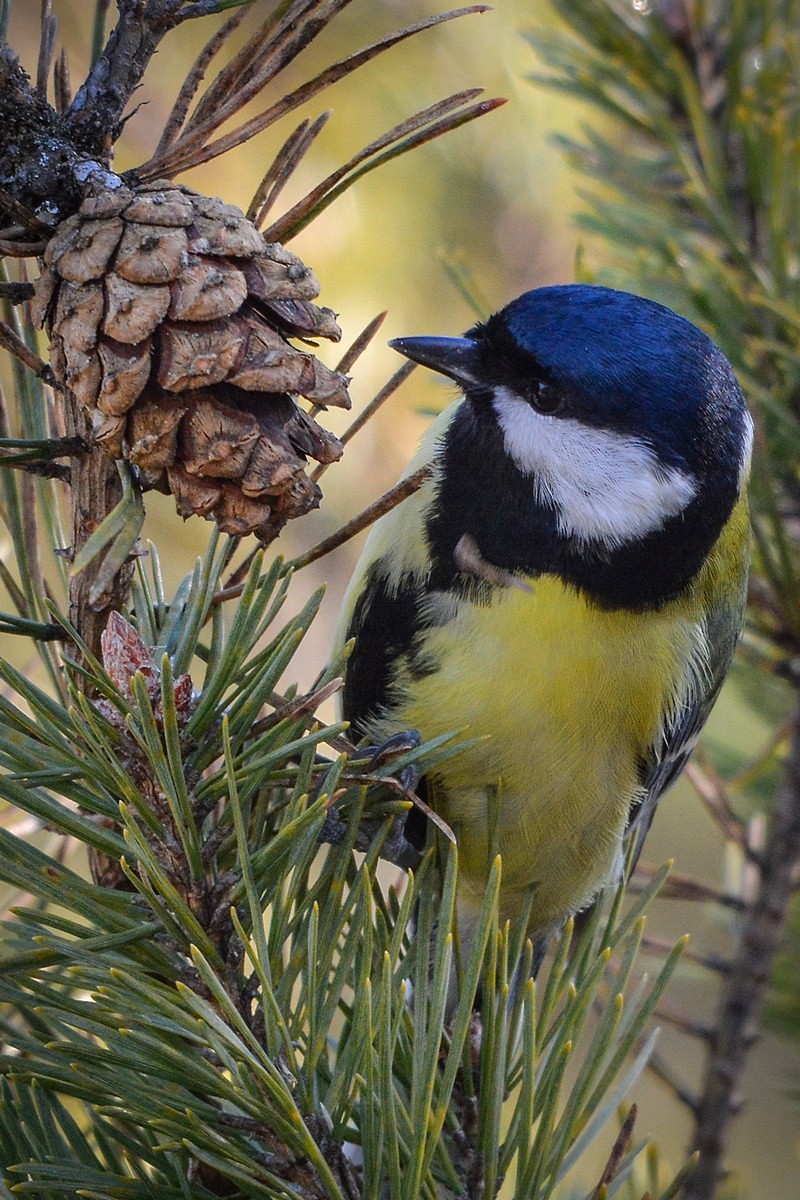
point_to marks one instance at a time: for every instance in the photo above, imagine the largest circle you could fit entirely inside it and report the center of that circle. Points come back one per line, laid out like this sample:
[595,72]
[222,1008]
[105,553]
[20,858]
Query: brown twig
[684,887]
[658,1066]
[21,214]
[298,706]
[238,574]
[712,791]
[380,398]
[685,1024]
[16,293]
[389,500]
[15,249]
[59,471]
[744,988]
[663,947]
[617,1154]
[12,342]
[94,118]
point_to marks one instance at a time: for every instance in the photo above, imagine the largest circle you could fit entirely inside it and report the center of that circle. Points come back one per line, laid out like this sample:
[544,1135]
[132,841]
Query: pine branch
[93,120]
[701,203]
[226,1006]
[744,990]
[220,1048]
[238,84]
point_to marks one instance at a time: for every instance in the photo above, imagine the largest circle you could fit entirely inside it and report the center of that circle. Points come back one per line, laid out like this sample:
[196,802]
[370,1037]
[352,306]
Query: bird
[566,589]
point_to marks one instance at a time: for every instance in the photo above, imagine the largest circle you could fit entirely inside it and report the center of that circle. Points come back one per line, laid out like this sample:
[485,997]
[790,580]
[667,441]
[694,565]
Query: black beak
[457,357]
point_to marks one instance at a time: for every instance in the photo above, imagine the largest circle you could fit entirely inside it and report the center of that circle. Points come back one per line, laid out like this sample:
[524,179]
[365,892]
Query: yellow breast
[567,699]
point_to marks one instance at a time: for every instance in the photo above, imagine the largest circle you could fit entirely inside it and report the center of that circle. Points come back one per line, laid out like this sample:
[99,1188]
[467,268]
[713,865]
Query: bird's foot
[397,847]
[395,747]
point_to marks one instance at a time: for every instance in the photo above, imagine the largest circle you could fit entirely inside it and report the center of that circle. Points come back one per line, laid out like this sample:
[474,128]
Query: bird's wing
[384,623]
[381,608]
[669,756]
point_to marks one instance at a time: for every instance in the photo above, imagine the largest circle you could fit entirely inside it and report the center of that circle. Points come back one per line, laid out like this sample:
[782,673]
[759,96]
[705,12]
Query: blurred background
[438,238]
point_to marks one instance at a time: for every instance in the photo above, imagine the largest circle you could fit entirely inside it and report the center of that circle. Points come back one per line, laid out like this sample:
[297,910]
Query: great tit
[567,588]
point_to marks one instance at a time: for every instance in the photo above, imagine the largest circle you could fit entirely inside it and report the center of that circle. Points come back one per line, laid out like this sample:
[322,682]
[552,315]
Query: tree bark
[744,990]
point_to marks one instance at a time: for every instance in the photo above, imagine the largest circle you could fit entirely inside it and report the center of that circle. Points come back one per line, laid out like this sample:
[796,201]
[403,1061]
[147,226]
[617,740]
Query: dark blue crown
[625,363]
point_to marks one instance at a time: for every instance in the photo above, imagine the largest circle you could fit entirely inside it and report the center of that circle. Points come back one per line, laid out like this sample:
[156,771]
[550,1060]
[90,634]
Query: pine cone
[169,317]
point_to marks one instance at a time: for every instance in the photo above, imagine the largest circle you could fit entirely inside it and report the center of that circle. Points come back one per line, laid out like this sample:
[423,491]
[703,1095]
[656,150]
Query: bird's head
[621,415]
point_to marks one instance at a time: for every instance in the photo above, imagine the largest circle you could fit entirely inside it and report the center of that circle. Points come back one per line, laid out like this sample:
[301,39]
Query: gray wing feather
[668,759]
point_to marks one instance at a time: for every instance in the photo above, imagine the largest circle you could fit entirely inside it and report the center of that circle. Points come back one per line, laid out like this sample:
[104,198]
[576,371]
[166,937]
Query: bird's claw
[395,747]
[396,847]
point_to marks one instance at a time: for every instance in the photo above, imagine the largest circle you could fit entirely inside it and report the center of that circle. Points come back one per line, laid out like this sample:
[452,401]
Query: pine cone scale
[151,255]
[133,310]
[125,371]
[206,290]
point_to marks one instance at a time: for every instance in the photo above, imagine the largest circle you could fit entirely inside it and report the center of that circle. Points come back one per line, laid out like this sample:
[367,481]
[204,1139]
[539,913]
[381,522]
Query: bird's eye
[545,398]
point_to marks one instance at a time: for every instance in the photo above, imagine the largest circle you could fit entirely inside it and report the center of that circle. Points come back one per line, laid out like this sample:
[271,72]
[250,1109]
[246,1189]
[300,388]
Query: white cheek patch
[606,487]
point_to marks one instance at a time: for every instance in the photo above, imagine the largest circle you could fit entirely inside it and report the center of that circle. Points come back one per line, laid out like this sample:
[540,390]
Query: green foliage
[693,170]
[251,1015]
[245,1011]
[29,541]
